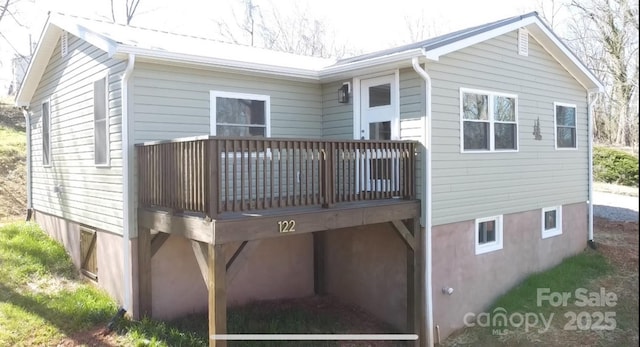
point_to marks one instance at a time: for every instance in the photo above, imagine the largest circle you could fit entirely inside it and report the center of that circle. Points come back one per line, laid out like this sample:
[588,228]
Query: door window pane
[380,131]
[380,95]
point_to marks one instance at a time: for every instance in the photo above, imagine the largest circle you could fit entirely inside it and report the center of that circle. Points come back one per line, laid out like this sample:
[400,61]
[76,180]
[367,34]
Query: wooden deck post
[144,271]
[217,295]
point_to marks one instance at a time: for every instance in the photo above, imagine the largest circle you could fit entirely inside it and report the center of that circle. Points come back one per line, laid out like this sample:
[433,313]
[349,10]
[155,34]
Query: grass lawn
[41,297]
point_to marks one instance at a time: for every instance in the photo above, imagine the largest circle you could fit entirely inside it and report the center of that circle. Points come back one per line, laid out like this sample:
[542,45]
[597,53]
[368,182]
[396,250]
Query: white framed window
[101,122]
[46,132]
[240,115]
[488,234]
[551,221]
[565,121]
[488,121]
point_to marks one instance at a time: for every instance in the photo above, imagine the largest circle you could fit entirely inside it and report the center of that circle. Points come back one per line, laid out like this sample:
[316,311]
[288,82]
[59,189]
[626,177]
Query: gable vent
[64,44]
[523,42]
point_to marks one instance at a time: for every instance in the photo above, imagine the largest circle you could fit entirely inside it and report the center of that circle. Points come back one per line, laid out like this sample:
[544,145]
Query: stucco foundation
[478,280]
[367,266]
[108,251]
[277,268]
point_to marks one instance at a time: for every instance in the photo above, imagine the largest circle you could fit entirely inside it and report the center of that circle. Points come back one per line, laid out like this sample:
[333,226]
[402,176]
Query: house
[419,182]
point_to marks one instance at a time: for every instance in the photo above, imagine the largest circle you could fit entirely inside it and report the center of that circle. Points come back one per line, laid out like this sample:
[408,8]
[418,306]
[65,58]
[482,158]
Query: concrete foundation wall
[276,269]
[367,266]
[108,251]
[478,280]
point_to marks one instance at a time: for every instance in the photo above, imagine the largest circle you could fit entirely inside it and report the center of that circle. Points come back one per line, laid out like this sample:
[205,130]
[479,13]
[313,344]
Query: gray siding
[172,102]
[337,118]
[472,185]
[89,195]
[412,110]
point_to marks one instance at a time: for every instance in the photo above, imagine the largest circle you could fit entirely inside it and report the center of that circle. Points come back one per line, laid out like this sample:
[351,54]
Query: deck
[215,191]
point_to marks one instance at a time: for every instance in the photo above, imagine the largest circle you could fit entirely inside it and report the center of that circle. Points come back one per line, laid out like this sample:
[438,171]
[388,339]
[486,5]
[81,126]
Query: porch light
[343,93]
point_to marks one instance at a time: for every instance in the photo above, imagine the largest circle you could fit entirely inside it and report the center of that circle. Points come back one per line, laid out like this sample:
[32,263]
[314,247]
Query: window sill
[551,233]
[488,151]
[487,248]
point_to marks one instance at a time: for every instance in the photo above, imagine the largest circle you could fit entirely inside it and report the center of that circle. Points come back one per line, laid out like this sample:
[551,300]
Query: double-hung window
[100,122]
[240,115]
[489,121]
[565,122]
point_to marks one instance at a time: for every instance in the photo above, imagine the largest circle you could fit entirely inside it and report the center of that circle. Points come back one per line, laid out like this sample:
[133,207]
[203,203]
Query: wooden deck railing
[216,175]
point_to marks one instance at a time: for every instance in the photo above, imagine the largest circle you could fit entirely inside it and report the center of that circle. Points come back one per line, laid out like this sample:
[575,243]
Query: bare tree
[296,32]
[605,35]
[130,8]
[550,10]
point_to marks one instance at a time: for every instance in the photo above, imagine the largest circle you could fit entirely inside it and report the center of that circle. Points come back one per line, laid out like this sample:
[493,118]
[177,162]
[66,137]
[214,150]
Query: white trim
[129,217]
[558,229]
[394,80]
[572,57]
[47,101]
[425,139]
[356,108]
[490,120]
[27,121]
[489,246]
[555,126]
[102,76]
[213,94]
[436,53]
[313,74]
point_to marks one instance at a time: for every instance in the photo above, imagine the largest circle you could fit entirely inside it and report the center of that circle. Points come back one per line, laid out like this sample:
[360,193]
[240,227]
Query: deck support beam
[239,258]
[411,237]
[144,271]
[217,294]
[157,242]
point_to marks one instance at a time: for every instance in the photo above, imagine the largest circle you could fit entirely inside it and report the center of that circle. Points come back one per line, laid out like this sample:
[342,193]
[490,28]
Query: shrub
[615,166]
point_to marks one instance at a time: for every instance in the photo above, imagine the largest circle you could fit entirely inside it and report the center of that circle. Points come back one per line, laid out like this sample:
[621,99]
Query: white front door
[378,109]
[379,120]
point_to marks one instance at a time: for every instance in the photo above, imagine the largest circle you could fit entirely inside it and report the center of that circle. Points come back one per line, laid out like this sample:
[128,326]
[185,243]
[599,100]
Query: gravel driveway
[615,207]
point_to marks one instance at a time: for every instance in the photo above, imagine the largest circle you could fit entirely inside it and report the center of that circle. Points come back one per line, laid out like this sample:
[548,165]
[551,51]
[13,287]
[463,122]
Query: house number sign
[287,226]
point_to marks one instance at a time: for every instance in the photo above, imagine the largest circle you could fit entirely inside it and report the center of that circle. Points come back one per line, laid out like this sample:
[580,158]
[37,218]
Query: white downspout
[426,208]
[27,124]
[591,101]
[126,185]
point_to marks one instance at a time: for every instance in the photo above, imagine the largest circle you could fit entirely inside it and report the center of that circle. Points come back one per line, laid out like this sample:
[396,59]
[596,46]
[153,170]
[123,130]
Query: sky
[361,25]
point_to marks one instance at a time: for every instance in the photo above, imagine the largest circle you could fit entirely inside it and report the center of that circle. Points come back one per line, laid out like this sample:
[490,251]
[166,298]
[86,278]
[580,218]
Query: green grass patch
[270,317]
[41,297]
[574,272]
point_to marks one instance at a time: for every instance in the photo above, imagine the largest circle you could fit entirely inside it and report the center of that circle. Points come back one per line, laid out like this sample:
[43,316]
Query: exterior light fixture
[343,93]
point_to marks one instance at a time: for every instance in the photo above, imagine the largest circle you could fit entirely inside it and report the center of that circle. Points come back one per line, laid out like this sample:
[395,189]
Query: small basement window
[551,221]
[88,254]
[488,234]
